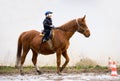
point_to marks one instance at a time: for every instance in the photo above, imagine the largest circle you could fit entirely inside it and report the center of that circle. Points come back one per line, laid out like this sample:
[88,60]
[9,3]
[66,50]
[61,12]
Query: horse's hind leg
[25,51]
[65,55]
[34,60]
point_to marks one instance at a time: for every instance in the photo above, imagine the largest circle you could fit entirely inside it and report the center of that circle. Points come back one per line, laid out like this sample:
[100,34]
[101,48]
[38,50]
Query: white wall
[103,17]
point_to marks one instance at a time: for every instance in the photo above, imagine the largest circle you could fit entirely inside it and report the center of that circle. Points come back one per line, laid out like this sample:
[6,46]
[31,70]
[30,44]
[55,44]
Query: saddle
[51,35]
[49,41]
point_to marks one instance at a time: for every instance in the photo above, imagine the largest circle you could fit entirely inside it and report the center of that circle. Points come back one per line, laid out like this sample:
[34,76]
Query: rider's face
[49,15]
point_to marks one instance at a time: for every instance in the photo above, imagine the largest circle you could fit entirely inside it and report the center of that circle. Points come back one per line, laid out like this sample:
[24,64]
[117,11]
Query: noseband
[80,27]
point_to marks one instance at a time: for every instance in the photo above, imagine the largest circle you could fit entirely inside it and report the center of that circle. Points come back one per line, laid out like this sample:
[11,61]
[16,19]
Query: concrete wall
[103,18]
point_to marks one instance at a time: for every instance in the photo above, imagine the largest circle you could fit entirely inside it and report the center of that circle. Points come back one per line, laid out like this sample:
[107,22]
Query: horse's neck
[69,34]
[69,29]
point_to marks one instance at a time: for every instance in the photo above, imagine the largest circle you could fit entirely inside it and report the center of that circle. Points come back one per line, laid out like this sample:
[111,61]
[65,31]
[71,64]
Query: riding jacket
[47,23]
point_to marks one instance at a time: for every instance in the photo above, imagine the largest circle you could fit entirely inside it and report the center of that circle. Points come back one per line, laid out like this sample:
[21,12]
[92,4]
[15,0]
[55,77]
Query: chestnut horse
[58,44]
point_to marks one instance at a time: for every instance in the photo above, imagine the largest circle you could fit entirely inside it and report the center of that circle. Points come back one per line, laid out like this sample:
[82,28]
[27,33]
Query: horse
[58,44]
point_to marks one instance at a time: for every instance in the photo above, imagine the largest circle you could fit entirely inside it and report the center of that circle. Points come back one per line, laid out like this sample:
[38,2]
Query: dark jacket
[47,23]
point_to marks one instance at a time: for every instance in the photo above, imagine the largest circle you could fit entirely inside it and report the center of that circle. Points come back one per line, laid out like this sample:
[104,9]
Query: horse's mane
[67,25]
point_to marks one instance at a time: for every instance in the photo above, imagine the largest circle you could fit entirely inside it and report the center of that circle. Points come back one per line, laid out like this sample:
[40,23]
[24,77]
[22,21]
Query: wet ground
[63,77]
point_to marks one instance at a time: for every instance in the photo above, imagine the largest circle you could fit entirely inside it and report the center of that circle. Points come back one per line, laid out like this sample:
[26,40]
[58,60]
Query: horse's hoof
[59,73]
[22,74]
[39,72]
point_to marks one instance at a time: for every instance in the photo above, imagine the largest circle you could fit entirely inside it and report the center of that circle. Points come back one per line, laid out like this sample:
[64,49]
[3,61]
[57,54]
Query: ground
[63,77]
[49,74]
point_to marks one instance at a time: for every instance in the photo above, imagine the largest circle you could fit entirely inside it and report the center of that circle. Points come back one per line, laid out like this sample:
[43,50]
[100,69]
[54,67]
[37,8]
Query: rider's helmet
[48,12]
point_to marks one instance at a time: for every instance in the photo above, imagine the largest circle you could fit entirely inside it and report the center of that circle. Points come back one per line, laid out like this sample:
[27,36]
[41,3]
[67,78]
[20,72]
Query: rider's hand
[52,26]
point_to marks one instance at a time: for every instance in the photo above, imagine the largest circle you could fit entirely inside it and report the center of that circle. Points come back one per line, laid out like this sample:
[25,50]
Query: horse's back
[30,33]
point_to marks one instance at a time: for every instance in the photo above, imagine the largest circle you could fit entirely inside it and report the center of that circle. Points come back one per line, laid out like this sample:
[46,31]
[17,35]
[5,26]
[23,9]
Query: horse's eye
[82,25]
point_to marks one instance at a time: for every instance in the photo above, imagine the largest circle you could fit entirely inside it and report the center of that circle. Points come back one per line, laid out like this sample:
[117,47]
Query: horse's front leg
[65,55]
[58,55]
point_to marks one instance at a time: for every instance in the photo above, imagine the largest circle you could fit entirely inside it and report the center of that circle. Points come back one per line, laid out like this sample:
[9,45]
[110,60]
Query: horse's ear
[84,17]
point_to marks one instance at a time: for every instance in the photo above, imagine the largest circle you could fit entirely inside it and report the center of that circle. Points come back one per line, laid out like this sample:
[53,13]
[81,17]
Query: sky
[102,18]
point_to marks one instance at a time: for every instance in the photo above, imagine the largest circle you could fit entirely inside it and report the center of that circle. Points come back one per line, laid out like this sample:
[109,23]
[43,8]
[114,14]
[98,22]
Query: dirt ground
[49,74]
[63,77]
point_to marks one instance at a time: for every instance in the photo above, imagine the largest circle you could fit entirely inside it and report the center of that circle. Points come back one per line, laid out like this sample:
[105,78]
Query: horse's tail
[19,50]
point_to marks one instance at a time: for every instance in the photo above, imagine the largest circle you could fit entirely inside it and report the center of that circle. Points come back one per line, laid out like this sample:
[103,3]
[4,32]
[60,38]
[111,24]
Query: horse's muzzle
[87,33]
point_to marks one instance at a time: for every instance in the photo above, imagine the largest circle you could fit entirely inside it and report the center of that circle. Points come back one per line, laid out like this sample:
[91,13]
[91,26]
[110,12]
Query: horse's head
[82,27]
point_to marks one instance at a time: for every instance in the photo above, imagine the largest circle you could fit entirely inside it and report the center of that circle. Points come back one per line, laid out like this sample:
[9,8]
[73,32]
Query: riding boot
[44,39]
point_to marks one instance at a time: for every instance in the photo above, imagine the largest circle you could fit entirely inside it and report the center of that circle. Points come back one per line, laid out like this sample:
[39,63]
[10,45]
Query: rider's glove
[52,26]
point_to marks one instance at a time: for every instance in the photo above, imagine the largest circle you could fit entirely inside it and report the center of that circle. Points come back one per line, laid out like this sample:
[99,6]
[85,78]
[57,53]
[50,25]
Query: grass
[88,65]
[84,65]
[52,69]
[86,62]
[6,69]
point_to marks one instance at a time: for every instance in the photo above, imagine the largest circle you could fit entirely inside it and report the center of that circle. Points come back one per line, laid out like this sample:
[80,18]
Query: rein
[64,30]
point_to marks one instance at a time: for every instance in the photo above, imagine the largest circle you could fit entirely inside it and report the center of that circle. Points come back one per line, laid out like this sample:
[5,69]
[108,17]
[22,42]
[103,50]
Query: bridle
[80,27]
